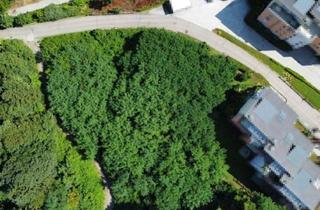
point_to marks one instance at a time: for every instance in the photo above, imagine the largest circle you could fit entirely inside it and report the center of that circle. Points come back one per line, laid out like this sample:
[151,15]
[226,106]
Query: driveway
[308,115]
[229,16]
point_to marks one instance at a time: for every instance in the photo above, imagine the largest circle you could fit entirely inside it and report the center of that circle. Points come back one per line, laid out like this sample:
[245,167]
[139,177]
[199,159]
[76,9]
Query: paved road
[31,7]
[307,114]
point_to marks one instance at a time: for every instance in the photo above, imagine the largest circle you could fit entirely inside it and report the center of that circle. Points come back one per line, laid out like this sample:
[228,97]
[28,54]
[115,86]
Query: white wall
[301,38]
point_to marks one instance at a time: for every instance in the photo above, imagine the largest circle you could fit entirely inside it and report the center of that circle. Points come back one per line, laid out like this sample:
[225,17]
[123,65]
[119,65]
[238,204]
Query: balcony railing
[292,198]
[285,15]
[254,131]
[276,168]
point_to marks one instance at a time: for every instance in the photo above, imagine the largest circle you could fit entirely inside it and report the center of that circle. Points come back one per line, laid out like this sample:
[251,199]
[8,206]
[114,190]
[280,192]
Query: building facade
[295,21]
[280,152]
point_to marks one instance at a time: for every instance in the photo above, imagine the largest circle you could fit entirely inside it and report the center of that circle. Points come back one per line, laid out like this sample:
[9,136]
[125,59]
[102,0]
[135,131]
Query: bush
[79,2]
[227,197]
[6,21]
[115,11]
[23,19]
[79,186]
[52,12]
[55,12]
[4,6]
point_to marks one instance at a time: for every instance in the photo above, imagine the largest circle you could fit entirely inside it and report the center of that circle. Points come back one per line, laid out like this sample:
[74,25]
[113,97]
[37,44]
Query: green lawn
[307,91]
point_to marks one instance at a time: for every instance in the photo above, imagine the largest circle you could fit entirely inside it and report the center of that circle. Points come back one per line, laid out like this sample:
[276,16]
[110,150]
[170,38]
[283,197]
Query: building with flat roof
[177,5]
[280,151]
[295,21]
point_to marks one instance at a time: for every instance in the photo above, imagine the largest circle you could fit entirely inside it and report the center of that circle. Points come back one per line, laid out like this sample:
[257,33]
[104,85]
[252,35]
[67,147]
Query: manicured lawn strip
[306,90]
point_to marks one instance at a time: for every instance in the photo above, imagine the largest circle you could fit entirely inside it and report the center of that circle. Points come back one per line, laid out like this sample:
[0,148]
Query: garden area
[141,102]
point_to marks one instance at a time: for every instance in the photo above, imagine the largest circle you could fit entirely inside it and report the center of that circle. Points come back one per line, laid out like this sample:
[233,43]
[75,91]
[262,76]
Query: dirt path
[107,194]
[35,47]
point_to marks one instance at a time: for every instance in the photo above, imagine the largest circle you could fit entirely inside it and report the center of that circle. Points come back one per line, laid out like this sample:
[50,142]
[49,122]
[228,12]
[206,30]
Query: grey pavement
[31,7]
[308,115]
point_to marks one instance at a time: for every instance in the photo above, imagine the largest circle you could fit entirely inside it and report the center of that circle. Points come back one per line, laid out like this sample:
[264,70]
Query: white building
[301,38]
[177,5]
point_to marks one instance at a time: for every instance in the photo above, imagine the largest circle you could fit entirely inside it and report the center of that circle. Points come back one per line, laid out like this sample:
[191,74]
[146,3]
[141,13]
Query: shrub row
[51,13]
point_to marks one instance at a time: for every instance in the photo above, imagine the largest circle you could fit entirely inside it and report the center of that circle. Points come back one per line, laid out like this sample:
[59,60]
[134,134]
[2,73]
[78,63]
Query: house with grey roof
[295,21]
[281,151]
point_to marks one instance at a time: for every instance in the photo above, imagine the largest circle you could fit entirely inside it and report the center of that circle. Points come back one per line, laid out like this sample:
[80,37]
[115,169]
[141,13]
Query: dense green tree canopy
[137,100]
[168,85]
[147,108]
[81,76]
[37,163]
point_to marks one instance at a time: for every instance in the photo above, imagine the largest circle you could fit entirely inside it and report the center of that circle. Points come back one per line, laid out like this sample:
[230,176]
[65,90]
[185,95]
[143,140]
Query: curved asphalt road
[308,115]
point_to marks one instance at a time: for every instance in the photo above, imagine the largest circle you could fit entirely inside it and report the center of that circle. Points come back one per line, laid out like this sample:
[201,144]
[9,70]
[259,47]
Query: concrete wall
[301,38]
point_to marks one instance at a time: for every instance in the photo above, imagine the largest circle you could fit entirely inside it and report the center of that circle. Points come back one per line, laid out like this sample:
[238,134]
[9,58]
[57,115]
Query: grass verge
[306,90]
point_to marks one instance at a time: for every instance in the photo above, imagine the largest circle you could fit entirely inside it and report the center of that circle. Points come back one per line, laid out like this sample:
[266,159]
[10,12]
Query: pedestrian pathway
[31,7]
